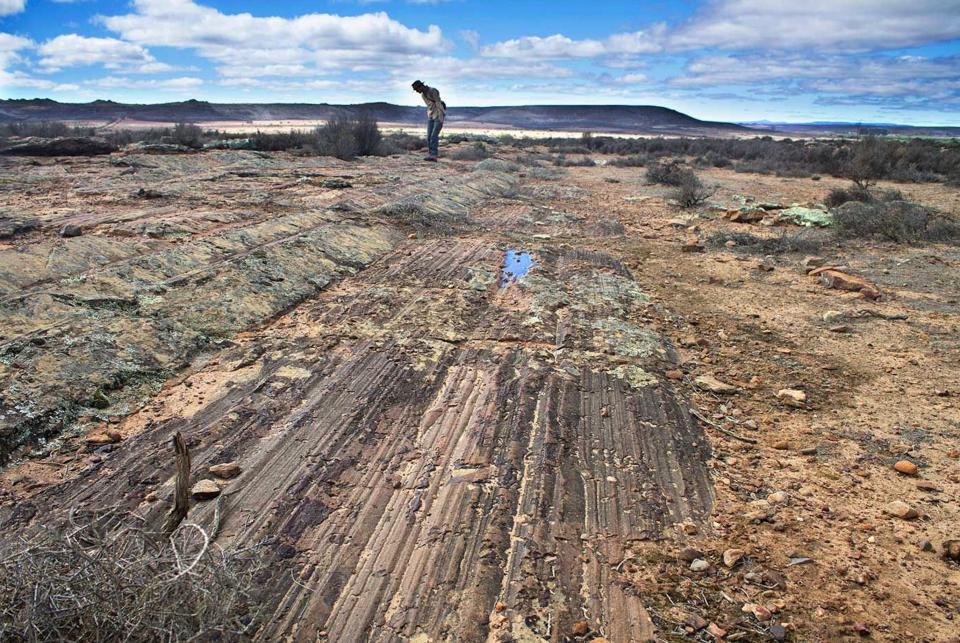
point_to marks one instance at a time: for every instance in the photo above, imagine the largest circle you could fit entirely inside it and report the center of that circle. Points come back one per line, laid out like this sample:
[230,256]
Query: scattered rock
[925,545]
[951,550]
[580,628]
[693,246]
[759,612]
[838,280]
[781,445]
[225,470]
[767,264]
[811,262]
[778,497]
[716,631]
[732,556]
[71,230]
[673,375]
[792,397]
[99,400]
[808,451]
[336,184]
[98,439]
[205,490]
[695,621]
[906,467]
[778,632]
[689,554]
[699,565]
[712,385]
[926,485]
[901,509]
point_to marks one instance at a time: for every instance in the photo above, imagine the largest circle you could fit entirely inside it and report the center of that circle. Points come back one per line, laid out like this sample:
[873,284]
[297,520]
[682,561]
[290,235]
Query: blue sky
[735,60]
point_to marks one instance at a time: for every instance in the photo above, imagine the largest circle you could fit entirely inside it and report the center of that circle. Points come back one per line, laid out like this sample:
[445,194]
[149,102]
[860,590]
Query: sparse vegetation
[691,192]
[897,221]
[910,160]
[800,242]
[672,174]
[583,161]
[838,196]
[476,151]
[108,578]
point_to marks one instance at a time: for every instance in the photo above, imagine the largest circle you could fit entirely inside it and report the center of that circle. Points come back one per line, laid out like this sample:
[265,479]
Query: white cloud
[559,46]
[184,23]
[120,82]
[917,79]
[819,25]
[10,7]
[72,50]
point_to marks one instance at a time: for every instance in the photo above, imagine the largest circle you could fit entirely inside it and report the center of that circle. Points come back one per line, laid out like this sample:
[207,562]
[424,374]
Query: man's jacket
[436,108]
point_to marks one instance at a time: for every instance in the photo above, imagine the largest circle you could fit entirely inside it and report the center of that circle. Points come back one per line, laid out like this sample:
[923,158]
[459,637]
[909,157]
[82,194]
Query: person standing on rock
[436,112]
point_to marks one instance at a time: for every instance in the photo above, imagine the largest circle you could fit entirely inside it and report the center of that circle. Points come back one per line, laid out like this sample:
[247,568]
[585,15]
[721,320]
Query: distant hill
[605,118]
[831,128]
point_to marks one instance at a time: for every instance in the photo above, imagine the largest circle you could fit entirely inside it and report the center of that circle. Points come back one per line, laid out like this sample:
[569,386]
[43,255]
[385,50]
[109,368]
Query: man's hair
[418,84]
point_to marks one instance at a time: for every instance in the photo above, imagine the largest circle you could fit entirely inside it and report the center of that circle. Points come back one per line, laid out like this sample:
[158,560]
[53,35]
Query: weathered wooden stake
[181,497]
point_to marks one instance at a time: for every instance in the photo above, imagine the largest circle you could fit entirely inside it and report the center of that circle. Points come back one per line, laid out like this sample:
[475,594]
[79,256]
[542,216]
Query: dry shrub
[897,221]
[672,174]
[108,578]
[691,192]
[475,152]
[800,242]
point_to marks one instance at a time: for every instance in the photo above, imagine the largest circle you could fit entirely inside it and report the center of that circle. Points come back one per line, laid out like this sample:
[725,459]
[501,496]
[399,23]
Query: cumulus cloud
[10,7]
[72,50]
[560,46]
[240,41]
[819,25]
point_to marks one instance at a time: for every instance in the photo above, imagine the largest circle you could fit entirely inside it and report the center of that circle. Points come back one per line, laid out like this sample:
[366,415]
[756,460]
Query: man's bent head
[418,86]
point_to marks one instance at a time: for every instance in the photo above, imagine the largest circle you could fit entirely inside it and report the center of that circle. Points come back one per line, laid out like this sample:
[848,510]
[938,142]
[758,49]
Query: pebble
[901,509]
[906,467]
[781,445]
[580,628]
[225,470]
[732,556]
[792,397]
[699,565]
[716,631]
[712,385]
[926,485]
[205,490]
[951,550]
[689,554]
[778,497]
[673,375]
[760,612]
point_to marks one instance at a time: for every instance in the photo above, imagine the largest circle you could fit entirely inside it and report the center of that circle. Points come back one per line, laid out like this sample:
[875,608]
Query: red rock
[580,628]
[906,467]
[673,375]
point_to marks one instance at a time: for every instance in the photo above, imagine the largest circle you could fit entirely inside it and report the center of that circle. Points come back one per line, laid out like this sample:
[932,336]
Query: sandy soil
[444,458]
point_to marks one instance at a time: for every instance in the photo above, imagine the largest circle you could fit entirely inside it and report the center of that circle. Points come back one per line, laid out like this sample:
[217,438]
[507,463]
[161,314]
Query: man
[436,111]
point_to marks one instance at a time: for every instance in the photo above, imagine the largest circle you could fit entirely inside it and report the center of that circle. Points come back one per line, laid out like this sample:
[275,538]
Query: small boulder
[900,509]
[71,230]
[205,490]
[225,470]
[813,261]
[732,556]
[580,628]
[792,397]
[712,385]
[951,550]
[906,467]
[693,246]
[699,565]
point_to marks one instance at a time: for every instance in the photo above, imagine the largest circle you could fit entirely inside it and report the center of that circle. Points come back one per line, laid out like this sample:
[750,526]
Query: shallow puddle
[516,264]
